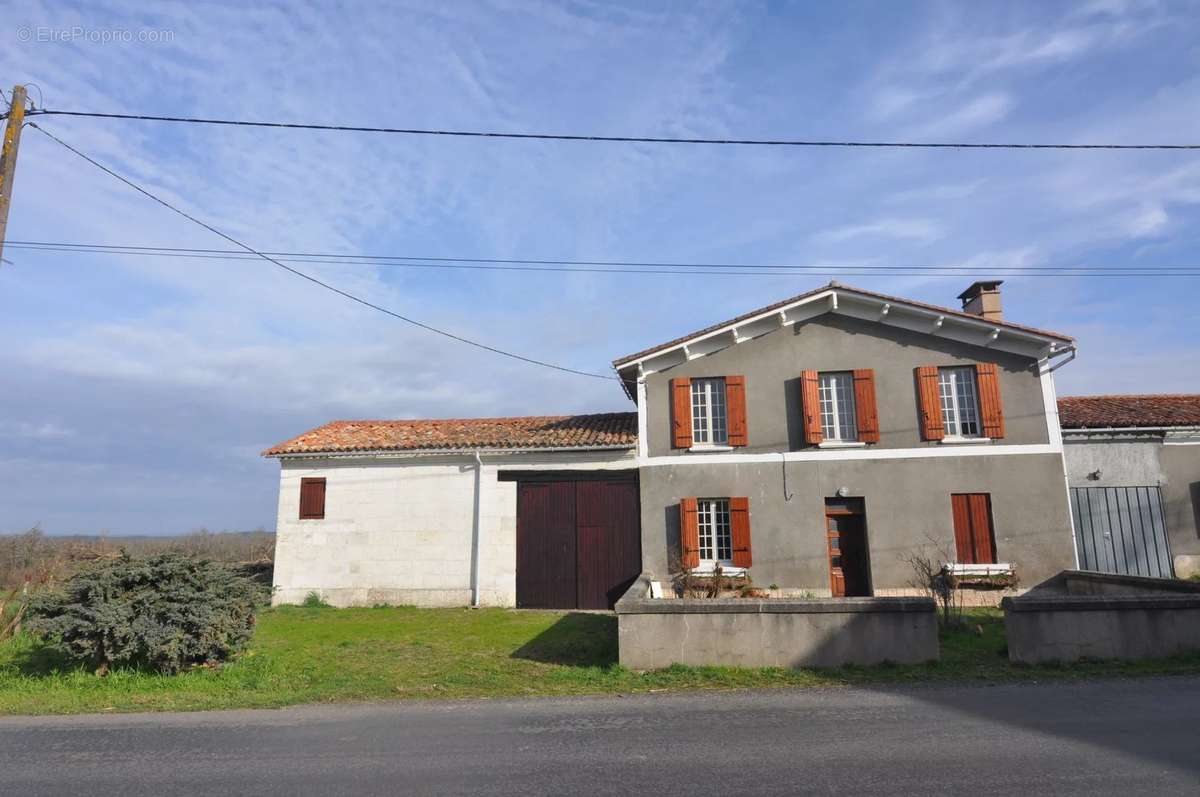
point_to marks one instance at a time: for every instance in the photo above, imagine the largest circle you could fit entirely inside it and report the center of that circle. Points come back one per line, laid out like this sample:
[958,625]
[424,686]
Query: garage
[578,539]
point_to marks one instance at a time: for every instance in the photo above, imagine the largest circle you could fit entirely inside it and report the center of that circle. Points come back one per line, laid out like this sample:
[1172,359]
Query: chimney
[983,299]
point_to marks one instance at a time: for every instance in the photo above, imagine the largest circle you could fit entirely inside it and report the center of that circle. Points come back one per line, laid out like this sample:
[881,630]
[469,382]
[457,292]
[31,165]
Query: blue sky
[139,391]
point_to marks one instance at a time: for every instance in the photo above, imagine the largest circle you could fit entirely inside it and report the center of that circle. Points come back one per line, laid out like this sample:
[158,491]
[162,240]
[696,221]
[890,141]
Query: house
[1133,465]
[815,442]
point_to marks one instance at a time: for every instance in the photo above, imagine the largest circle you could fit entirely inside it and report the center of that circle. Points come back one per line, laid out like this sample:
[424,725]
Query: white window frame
[958,393]
[710,413]
[715,533]
[839,415]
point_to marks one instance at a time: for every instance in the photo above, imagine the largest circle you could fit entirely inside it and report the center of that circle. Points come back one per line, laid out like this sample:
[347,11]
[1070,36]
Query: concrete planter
[773,632]
[1077,615]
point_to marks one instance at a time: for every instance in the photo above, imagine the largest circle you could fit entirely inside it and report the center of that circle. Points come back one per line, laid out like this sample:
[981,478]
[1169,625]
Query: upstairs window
[838,422]
[716,540]
[709,426]
[312,498]
[959,401]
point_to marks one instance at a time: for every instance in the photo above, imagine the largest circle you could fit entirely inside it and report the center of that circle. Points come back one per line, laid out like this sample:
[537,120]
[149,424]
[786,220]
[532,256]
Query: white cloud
[916,230]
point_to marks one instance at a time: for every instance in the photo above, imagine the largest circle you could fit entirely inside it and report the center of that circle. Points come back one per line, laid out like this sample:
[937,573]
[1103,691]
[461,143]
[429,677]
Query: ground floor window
[974,537]
[716,541]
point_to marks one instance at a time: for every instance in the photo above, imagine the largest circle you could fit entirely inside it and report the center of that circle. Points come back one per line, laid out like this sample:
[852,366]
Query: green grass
[309,655]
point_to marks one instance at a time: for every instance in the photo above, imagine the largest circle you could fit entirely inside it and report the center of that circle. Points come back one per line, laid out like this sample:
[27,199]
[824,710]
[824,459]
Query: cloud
[916,230]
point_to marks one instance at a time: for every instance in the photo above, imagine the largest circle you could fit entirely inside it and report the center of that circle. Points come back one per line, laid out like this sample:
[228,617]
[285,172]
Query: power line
[312,279]
[618,266]
[767,142]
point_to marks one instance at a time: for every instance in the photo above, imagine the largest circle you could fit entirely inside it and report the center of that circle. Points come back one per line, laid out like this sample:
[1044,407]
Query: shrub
[313,600]
[167,612]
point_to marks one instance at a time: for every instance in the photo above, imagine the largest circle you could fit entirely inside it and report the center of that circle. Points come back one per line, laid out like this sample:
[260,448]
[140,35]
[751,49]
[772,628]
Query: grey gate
[1121,530]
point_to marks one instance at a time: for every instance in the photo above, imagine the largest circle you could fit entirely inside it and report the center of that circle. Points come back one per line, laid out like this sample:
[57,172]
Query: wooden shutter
[739,531]
[681,413]
[930,399]
[689,532]
[810,406]
[974,537]
[312,499]
[991,410]
[735,410]
[864,405]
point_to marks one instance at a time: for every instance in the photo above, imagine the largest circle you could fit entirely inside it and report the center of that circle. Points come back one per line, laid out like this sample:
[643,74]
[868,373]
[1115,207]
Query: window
[716,541]
[312,499]
[960,405]
[974,535]
[837,407]
[708,412]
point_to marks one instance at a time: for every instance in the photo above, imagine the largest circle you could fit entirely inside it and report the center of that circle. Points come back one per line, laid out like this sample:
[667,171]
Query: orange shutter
[681,413]
[739,531]
[689,533]
[864,405]
[735,407]
[981,528]
[990,407]
[810,406]
[931,403]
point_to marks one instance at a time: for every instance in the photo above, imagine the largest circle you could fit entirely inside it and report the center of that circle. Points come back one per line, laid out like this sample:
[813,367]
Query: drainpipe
[476,530]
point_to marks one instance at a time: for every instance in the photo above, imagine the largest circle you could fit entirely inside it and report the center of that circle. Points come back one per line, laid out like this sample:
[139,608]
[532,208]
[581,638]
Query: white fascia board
[840,455]
[441,452]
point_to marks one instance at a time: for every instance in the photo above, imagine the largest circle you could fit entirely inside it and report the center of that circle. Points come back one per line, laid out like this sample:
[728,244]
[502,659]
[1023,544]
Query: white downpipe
[476,530]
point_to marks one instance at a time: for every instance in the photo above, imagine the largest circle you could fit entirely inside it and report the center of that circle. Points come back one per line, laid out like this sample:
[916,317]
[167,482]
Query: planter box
[773,632]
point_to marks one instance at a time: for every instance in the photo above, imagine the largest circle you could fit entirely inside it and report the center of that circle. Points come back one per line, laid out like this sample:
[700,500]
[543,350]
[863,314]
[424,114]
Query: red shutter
[689,533]
[974,537]
[735,407]
[739,531]
[681,413]
[810,406]
[864,405]
[990,408]
[312,499]
[930,399]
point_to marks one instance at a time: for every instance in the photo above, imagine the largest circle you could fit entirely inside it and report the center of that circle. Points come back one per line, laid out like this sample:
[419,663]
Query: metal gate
[1121,530]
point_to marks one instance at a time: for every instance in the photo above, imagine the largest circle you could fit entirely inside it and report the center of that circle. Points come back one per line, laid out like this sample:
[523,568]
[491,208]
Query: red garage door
[578,542]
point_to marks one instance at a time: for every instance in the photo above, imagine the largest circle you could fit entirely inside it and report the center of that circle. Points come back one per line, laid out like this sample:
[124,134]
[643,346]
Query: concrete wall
[399,530]
[907,503]
[1139,461]
[741,632]
[773,362]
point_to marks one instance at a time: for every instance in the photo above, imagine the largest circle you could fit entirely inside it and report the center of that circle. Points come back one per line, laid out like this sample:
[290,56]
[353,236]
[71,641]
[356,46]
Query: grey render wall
[772,365]
[1140,461]
[907,503]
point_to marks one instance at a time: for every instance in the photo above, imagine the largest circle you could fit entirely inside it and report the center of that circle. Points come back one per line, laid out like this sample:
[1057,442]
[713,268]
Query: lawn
[309,655]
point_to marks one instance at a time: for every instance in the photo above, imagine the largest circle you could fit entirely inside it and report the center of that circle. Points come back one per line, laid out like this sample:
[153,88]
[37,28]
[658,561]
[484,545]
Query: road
[1097,737]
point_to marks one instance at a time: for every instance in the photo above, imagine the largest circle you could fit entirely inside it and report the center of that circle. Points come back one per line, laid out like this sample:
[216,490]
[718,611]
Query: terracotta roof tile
[881,296]
[1100,412]
[604,430]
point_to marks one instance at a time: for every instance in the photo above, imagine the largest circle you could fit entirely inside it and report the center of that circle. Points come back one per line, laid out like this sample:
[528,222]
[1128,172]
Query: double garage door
[578,541]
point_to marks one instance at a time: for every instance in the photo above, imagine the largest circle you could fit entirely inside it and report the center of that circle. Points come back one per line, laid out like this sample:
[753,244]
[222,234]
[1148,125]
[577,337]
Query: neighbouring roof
[1104,412]
[618,363]
[603,430]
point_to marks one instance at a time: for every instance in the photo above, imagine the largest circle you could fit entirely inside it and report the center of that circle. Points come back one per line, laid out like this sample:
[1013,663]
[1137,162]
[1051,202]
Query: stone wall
[741,632]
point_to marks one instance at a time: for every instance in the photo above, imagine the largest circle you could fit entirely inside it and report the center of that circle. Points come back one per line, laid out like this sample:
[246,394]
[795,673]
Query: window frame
[714,521]
[953,402]
[835,392]
[708,401]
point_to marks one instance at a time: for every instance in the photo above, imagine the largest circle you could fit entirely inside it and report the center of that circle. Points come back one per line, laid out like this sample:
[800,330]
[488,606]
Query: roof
[618,363]
[1116,412]
[603,430]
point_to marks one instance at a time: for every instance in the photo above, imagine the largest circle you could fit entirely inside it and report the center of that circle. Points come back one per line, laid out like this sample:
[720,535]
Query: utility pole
[8,157]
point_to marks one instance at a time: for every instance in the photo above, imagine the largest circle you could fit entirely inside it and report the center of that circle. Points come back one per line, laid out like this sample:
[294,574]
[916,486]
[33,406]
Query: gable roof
[838,287]
[598,431]
[1118,412]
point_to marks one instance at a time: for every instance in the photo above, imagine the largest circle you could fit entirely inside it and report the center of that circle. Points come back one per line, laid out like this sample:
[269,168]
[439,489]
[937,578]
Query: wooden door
[846,541]
[546,545]
[609,550]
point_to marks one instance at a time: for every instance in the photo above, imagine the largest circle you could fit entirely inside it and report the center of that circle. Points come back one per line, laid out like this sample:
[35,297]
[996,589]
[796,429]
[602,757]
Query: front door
[846,538]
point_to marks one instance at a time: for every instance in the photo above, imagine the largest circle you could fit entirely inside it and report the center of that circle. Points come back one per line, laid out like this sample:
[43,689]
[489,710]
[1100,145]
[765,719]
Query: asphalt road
[1098,737]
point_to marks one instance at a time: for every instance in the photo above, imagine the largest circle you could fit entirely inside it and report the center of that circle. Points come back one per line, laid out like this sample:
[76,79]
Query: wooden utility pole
[8,157]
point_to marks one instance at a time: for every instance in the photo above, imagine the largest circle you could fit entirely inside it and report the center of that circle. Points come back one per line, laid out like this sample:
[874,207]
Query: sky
[139,391]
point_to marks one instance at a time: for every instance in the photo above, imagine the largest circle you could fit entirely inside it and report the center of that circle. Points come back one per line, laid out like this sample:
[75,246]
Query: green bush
[165,612]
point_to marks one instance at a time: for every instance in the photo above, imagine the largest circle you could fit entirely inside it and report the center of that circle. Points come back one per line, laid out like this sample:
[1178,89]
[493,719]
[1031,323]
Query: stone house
[814,442]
